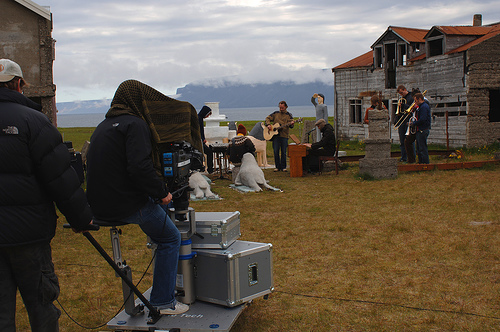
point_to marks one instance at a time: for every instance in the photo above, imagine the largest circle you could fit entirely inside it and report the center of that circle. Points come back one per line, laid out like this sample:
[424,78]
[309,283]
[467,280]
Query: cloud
[170,44]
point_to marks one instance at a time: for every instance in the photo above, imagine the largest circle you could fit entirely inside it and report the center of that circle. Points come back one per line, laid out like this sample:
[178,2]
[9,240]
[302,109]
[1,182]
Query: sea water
[232,114]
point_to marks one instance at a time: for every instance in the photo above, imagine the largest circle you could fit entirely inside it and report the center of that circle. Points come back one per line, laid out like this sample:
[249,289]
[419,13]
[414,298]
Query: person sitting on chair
[124,183]
[240,145]
[325,147]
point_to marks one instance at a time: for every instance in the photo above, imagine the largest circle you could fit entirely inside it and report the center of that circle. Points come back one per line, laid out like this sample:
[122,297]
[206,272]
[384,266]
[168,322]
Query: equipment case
[217,230]
[234,275]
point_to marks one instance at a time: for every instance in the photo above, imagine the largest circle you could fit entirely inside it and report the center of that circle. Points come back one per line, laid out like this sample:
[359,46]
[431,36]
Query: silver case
[234,275]
[218,229]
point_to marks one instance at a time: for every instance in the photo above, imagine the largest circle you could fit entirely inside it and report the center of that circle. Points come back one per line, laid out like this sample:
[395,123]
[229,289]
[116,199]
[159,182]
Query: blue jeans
[422,151]
[280,144]
[154,221]
[29,268]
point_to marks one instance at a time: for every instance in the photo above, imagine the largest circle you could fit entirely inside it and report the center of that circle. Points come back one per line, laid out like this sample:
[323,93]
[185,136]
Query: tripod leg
[153,312]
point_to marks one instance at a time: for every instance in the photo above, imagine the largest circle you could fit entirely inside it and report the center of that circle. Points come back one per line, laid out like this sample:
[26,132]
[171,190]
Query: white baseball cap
[9,69]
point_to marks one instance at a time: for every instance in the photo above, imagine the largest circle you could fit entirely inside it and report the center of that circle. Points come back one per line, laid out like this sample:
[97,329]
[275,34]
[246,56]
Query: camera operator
[124,182]
[35,172]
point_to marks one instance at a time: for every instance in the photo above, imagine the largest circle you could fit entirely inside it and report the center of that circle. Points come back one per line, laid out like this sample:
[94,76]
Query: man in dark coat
[205,112]
[124,180]
[35,172]
[325,147]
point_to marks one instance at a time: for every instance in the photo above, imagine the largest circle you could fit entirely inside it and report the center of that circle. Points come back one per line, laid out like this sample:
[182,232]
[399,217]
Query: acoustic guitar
[269,134]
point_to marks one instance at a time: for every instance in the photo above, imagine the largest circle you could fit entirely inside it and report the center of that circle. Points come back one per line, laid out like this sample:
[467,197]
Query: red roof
[365,60]
[493,31]
[419,35]
[410,34]
[463,30]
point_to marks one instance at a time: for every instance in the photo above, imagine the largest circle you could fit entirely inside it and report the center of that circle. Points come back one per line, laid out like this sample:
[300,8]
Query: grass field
[417,253]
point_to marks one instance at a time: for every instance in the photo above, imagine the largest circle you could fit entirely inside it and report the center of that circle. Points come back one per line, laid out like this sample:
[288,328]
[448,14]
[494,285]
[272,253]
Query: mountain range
[230,95]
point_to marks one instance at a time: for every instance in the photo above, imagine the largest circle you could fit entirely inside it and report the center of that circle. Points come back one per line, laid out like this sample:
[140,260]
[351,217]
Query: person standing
[321,111]
[204,113]
[407,100]
[422,125]
[35,172]
[280,141]
[325,147]
[124,182]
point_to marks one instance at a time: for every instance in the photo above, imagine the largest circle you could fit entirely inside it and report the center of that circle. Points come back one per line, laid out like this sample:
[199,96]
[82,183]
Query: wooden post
[447,134]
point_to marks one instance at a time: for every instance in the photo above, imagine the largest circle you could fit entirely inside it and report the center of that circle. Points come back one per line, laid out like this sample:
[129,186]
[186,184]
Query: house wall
[27,39]
[453,42]
[483,63]
[442,76]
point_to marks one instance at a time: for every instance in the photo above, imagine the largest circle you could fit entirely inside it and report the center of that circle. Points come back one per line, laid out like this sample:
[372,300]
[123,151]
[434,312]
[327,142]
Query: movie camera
[178,161]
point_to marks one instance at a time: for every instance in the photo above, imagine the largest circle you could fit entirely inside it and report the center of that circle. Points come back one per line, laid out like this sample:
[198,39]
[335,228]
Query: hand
[166,200]
[291,123]
[84,230]
[307,144]
[315,95]
[269,127]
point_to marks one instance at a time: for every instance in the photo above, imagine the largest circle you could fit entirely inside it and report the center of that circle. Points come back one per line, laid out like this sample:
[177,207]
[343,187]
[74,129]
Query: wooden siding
[442,76]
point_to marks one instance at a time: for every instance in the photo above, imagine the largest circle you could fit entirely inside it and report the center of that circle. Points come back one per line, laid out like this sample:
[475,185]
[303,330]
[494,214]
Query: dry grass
[420,252]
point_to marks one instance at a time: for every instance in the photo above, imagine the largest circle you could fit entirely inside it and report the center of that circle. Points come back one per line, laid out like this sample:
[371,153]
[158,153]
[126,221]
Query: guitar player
[280,141]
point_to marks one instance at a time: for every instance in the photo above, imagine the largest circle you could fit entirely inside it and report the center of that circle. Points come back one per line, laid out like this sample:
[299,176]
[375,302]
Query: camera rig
[178,160]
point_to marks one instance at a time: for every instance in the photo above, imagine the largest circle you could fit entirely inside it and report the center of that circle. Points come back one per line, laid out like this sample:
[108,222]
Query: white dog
[200,186]
[257,137]
[250,174]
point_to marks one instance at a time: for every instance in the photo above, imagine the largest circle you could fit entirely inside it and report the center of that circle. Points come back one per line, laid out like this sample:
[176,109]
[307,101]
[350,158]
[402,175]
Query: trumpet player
[420,125]
[404,103]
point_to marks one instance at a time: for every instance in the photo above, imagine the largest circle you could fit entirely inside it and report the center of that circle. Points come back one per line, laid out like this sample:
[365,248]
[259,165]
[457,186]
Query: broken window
[494,112]
[378,57]
[436,47]
[355,111]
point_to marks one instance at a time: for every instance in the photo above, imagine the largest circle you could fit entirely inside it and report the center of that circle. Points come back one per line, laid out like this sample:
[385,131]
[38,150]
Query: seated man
[123,182]
[240,145]
[325,147]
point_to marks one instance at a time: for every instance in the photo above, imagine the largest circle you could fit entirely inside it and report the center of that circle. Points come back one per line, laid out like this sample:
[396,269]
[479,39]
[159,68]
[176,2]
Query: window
[402,55]
[436,47]
[355,111]
[378,57]
[494,113]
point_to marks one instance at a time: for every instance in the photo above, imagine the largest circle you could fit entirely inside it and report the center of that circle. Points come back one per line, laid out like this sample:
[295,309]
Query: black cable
[122,306]
[389,304]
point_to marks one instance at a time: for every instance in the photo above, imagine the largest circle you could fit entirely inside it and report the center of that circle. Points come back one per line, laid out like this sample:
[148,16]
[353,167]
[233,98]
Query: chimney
[478,20]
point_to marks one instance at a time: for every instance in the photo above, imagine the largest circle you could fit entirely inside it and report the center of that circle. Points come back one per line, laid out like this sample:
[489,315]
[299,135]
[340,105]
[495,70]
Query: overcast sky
[170,43]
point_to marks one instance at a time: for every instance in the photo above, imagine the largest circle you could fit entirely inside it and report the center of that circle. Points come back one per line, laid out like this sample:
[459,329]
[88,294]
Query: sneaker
[180,308]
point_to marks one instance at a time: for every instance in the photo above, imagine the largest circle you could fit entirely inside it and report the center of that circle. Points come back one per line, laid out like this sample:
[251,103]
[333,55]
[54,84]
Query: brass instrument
[400,102]
[406,114]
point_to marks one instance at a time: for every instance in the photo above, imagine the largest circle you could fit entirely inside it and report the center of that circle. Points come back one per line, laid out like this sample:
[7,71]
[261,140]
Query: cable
[125,301]
[122,306]
[389,304]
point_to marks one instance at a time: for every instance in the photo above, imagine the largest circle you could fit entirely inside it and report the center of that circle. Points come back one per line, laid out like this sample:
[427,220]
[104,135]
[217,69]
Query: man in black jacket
[205,112]
[35,172]
[325,147]
[124,182]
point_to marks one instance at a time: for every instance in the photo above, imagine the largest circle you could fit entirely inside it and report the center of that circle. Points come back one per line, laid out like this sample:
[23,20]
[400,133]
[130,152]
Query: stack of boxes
[228,271]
